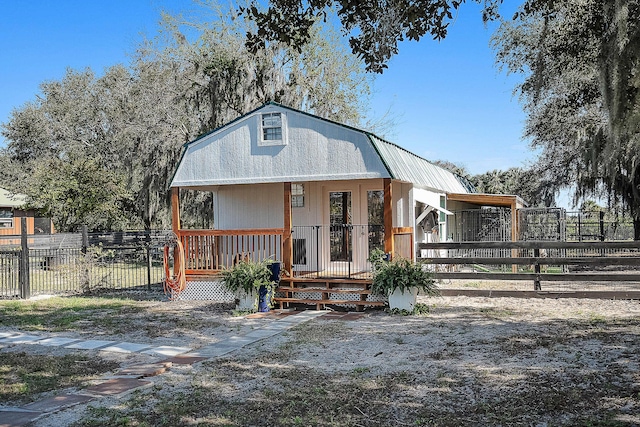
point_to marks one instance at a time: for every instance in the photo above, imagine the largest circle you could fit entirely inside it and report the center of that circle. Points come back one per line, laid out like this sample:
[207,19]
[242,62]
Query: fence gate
[9,273]
[542,224]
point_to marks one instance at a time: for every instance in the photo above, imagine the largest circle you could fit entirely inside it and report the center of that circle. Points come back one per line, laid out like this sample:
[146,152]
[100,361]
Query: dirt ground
[468,362]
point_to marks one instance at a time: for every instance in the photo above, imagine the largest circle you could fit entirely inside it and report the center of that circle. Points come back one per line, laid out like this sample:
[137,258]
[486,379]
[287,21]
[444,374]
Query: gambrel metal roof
[314,149]
[405,166]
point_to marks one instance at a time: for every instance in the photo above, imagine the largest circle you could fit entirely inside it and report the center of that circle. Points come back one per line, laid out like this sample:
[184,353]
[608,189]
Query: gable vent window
[273,129]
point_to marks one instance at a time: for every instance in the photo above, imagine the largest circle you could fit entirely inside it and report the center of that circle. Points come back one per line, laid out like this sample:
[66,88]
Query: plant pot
[264,302]
[246,301]
[403,301]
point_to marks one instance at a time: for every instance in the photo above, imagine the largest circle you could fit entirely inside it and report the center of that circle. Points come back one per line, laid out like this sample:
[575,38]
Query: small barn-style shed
[317,195]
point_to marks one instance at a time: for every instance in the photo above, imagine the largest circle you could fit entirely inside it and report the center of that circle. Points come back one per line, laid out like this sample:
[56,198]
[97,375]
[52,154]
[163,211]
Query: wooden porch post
[514,232]
[175,224]
[175,209]
[387,217]
[287,240]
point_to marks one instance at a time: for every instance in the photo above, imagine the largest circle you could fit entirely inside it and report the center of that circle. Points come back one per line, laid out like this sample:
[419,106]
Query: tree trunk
[636,229]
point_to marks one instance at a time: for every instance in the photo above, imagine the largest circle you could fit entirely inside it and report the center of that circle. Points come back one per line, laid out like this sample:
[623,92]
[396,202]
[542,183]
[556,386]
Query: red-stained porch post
[287,240]
[175,209]
[387,217]
[175,223]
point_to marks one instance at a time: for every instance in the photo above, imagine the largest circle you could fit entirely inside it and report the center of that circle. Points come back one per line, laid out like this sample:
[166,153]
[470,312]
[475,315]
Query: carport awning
[439,209]
[430,208]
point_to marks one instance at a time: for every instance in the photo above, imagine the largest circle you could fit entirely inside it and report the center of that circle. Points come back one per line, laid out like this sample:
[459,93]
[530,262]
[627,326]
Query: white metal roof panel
[11,200]
[316,150]
[406,166]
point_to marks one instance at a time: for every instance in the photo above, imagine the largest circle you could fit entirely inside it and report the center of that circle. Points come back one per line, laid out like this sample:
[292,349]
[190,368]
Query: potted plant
[400,280]
[245,279]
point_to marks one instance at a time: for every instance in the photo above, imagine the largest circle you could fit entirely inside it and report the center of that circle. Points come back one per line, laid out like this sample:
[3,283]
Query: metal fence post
[23,272]
[148,254]
[85,262]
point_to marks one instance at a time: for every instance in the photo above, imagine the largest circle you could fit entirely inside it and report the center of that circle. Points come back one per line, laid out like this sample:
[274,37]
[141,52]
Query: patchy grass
[65,314]
[104,315]
[24,376]
[471,362]
[497,313]
[304,396]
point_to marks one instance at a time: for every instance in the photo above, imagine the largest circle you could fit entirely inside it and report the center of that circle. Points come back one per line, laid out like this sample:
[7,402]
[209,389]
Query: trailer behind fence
[67,263]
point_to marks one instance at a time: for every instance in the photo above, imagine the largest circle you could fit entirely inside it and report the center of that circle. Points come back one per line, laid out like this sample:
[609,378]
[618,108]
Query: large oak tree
[374,27]
[581,91]
[101,150]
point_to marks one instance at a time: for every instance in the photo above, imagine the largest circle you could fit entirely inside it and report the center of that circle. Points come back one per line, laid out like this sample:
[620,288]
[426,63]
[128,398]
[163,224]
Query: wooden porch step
[325,290]
[327,283]
[323,302]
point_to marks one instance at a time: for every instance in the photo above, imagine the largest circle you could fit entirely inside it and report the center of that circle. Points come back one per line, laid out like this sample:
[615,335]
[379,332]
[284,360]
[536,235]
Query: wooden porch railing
[209,251]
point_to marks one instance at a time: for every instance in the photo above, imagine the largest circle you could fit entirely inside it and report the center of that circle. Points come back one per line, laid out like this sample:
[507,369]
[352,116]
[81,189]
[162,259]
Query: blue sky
[448,100]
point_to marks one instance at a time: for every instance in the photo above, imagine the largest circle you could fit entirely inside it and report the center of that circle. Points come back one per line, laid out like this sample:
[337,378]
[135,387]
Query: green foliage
[529,183]
[248,276]
[401,274]
[581,92]
[101,150]
[375,27]
[81,191]
[419,309]
[377,257]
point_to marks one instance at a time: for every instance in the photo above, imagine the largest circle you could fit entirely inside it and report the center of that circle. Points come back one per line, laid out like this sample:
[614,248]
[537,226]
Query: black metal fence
[80,262]
[539,224]
[337,251]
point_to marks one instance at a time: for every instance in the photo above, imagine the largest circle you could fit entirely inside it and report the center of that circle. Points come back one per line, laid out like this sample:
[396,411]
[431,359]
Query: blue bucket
[264,299]
[275,271]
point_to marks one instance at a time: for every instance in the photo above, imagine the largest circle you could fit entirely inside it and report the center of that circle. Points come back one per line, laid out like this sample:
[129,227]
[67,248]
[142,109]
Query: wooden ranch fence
[569,269]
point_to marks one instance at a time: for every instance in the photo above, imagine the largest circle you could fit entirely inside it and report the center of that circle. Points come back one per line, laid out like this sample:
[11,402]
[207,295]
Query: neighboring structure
[315,194]
[11,211]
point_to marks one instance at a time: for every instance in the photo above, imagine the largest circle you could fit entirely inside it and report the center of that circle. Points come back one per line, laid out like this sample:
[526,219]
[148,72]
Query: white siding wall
[249,206]
[402,204]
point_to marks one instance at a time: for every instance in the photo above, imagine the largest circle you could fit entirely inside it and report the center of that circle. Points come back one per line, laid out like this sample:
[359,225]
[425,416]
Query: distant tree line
[101,150]
[519,181]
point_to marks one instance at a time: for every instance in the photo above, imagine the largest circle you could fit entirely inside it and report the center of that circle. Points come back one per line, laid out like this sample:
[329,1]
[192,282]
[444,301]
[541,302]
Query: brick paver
[130,378]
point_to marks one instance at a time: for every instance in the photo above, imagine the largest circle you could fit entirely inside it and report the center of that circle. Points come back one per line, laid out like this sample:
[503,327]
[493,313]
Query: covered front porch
[338,250]
[323,264]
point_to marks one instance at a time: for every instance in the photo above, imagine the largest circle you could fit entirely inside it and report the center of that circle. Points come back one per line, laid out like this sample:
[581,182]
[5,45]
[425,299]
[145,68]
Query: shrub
[401,274]
[247,275]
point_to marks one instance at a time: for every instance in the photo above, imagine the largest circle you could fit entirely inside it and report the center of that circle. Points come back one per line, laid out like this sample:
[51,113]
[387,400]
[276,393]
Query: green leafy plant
[401,274]
[418,310]
[377,257]
[248,275]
